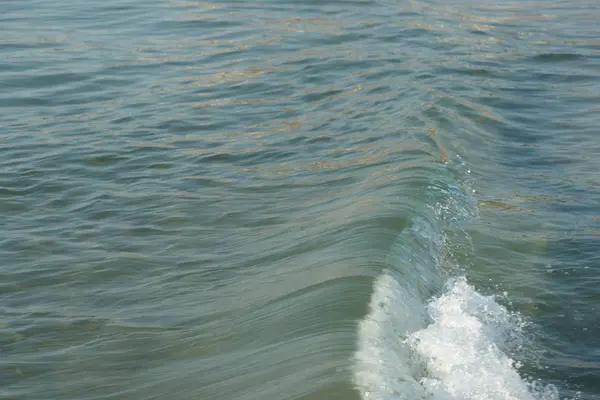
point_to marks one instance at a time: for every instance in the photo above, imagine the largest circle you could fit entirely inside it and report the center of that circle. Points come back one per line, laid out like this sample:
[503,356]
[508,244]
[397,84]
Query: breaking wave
[429,334]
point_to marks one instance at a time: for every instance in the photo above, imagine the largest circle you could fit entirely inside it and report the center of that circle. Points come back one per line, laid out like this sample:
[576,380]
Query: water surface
[299,200]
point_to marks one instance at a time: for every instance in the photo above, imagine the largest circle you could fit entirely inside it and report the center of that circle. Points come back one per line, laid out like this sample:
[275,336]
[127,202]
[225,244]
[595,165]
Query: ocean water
[362,199]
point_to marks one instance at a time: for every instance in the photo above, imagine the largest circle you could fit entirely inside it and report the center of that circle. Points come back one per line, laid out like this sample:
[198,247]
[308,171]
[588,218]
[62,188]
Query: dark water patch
[45,80]
[316,97]
[199,23]
[563,78]
[320,139]
[102,160]
[278,188]
[556,57]
[228,158]
[26,101]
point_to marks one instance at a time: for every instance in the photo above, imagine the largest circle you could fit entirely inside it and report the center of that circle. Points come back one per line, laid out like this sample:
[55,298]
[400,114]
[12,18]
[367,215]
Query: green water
[197,199]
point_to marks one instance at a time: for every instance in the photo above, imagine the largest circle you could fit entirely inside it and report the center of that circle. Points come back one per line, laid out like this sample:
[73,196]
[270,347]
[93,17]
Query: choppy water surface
[299,200]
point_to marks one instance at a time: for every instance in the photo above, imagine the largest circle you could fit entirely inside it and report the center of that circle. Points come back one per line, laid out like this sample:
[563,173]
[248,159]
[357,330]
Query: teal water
[299,200]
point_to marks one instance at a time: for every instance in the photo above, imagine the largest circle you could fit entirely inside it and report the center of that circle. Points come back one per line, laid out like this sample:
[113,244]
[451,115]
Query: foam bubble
[462,349]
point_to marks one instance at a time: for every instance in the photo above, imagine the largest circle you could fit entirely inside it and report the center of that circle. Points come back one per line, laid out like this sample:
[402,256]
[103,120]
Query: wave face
[428,333]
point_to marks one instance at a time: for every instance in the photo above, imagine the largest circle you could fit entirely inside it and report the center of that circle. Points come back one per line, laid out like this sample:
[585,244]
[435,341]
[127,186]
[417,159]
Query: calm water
[307,200]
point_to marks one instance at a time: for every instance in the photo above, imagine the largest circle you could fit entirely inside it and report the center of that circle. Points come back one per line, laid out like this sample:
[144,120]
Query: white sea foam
[462,349]
[384,369]
[458,356]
